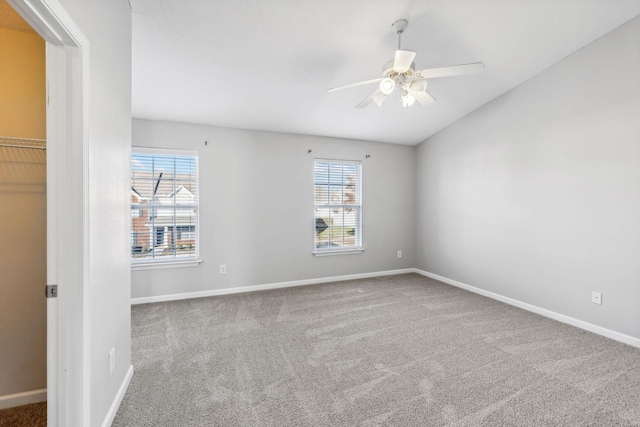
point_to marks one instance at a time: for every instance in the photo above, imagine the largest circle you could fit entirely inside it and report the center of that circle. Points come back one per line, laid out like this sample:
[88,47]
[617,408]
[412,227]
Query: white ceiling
[267,64]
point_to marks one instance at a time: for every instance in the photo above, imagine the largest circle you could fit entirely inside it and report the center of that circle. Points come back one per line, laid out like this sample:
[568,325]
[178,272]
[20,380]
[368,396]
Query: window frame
[359,223]
[168,261]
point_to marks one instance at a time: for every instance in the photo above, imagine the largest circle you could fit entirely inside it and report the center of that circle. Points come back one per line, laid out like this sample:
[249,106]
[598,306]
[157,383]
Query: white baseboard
[19,399]
[239,289]
[627,339]
[113,410]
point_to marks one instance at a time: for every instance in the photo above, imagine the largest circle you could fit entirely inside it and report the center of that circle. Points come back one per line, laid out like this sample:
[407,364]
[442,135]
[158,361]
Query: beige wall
[23,213]
[22,85]
[22,270]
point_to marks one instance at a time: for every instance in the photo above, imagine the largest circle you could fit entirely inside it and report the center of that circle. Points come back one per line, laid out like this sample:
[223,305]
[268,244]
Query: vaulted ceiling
[267,65]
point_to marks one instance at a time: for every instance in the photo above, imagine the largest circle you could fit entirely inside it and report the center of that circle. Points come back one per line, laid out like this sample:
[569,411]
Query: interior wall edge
[113,410]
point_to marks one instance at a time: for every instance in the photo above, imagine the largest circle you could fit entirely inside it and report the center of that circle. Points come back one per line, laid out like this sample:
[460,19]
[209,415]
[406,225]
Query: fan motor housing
[399,78]
[387,69]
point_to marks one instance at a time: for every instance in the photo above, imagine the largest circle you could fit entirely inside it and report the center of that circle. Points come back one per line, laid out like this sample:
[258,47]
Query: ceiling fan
[400,73]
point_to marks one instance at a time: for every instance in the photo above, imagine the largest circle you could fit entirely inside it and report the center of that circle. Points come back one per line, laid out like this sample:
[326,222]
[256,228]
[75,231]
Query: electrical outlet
[223,269]
[596,297]
[399,254]
[112,359]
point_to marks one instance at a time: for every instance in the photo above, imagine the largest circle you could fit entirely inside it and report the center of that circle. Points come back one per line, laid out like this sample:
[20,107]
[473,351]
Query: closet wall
[23,216]
[22,85]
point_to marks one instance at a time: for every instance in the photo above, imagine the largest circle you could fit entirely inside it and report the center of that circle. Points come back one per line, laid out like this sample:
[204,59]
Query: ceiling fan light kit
[401,73]
[387,85]
[407,99]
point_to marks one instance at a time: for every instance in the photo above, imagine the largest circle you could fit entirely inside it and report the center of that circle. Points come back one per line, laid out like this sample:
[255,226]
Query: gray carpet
[399,350]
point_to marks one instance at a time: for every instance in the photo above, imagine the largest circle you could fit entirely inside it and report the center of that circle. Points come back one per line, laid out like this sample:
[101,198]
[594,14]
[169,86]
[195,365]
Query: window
[164,206]
[134,238]
[159,236]
[338,206]
[185,232]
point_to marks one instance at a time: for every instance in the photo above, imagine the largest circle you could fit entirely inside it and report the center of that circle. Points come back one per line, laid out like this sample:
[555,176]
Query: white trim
[359,222]
[86,236]
[113,410]
[55,67]
[341,161]
[338,252]
[167,151]
[626,339]
[240,289]
[24,398]
[164,264]
[50,20]
[171,261]
[68,321]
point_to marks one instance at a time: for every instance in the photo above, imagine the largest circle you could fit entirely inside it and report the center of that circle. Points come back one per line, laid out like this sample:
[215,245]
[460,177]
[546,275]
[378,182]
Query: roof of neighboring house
[145,185]
[135,193]
[180,190]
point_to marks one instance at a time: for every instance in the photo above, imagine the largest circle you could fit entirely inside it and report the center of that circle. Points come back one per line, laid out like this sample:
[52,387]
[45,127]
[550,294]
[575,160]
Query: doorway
[23,207]
[67,77]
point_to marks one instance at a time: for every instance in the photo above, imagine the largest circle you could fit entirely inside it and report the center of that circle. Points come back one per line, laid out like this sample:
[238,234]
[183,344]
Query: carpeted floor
[395,351]
[32,415]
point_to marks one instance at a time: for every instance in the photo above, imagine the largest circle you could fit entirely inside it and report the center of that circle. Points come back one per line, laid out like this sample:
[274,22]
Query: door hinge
[51,291]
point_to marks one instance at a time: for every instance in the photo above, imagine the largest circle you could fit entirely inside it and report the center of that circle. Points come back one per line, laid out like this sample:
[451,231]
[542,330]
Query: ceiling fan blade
[454,70]
[403,60]
[366,82]
[378,97]
[375,96]
[422,97]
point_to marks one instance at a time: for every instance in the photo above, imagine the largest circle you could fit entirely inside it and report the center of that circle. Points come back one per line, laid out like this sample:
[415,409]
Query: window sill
[164,264]
[338,252]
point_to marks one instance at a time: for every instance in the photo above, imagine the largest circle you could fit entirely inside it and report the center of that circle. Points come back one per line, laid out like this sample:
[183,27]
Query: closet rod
[13,142]
[23,146]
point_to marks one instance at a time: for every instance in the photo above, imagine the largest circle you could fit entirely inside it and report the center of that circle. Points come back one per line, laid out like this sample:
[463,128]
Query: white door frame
[68,316]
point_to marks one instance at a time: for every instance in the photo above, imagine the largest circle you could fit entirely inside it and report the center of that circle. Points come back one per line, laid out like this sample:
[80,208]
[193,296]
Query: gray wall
[107,26]
[536,196]
[256,208]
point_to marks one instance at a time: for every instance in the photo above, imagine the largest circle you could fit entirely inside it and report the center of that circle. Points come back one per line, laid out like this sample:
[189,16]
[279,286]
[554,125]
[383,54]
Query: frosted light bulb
[387,85]
[407,100]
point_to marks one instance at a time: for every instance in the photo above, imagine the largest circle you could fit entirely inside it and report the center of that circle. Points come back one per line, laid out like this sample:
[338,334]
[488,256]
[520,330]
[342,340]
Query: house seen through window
[164,205]
[338,205]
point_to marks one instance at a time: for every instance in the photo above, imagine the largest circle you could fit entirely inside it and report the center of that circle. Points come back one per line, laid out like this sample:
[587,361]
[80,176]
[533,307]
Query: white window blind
[164,206]
[338,205]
